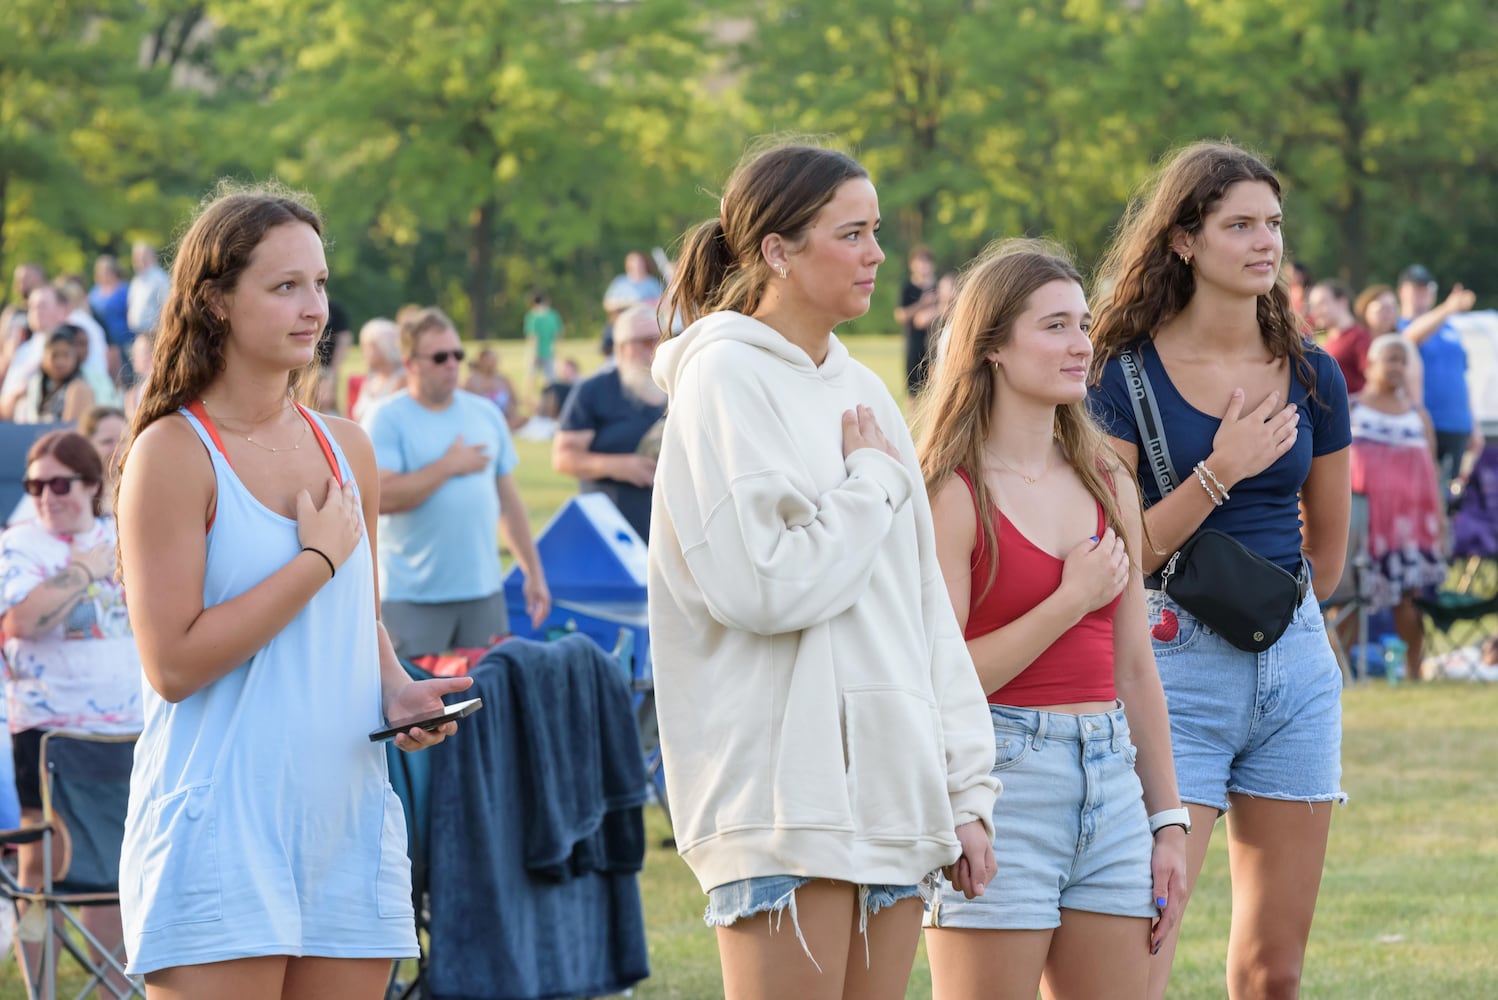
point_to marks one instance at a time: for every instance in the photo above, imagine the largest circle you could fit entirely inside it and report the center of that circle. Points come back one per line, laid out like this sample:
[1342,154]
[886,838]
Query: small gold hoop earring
[783,271]
[1186,259]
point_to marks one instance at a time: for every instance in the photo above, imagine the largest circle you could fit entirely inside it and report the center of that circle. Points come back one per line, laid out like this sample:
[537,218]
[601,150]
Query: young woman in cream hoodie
[825,736]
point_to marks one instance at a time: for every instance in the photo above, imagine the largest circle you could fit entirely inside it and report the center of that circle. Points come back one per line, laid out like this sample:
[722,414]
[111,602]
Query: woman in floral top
[70,657]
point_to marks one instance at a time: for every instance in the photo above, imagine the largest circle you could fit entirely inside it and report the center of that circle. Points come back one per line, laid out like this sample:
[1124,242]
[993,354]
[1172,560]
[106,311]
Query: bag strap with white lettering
[1147,416]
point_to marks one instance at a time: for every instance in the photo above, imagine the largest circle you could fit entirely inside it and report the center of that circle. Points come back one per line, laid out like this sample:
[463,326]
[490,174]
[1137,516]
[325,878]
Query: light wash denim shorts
[1263,724]
[731,902]
[1070,830]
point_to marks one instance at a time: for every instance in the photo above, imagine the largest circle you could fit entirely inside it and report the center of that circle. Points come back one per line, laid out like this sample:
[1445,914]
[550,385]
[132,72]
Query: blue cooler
[595,568]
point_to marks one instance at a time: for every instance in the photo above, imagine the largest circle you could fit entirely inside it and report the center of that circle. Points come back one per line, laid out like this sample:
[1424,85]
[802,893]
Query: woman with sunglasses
[73,663]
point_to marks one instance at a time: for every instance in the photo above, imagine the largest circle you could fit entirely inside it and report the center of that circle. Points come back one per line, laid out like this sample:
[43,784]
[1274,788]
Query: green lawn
[1409,906]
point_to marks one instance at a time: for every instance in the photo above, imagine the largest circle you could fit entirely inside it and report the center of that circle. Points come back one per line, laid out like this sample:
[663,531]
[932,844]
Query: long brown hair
[955,416]
[1142,284]
[778,190]
[212,254]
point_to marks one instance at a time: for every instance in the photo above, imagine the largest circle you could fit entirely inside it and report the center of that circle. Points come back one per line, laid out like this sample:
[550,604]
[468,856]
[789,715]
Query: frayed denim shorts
[731,902]
[1070,830]
[1264,724]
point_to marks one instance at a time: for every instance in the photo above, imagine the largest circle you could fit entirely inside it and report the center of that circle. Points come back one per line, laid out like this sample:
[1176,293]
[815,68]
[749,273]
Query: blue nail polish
[1095,538]
[1160,902]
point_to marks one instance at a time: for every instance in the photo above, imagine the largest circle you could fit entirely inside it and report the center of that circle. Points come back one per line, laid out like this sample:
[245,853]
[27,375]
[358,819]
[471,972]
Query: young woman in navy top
[1056,628]
[1256,425]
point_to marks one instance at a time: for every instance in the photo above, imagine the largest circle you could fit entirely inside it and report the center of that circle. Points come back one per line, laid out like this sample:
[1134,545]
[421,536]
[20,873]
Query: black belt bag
[1235,592]
[1232,590]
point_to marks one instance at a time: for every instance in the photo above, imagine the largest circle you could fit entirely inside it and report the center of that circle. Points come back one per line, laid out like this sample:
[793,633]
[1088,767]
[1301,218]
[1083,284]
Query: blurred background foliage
[467,151]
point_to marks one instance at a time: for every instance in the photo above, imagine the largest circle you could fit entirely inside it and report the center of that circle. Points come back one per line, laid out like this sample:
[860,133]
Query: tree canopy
[467,151]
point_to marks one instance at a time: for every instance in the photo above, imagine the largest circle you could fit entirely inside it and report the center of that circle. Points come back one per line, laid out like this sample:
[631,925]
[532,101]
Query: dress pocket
[393,884]
[897,779]
[179,874]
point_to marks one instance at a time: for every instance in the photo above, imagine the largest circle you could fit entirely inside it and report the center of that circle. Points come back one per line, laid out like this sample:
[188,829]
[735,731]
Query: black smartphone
[451,713]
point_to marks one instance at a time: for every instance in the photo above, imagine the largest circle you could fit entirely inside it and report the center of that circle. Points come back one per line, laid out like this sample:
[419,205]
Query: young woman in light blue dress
[265,853]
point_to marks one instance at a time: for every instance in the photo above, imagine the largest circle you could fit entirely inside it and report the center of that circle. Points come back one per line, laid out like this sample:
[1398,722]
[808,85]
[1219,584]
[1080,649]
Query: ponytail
[778,190]
[701,269]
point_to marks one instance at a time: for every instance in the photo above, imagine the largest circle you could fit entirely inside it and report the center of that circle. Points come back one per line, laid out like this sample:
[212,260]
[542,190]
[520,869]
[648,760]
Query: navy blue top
[1264,512]
[619,423]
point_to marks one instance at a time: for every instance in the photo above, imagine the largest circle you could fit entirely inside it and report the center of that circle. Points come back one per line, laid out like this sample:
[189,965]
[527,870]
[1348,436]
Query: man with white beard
[608,435]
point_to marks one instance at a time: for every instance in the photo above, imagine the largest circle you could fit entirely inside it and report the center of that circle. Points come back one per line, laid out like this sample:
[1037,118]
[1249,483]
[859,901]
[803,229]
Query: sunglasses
[440,357]
[57,484]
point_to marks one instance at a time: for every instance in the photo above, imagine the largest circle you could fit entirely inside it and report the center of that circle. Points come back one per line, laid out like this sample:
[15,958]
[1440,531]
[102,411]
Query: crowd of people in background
[938,585]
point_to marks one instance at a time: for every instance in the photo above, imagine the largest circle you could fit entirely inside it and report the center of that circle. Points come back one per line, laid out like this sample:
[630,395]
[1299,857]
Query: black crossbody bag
[1234,591]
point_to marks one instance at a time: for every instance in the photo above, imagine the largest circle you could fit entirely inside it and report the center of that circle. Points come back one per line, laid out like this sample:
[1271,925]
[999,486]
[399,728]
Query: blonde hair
[1392,340]
[955,416]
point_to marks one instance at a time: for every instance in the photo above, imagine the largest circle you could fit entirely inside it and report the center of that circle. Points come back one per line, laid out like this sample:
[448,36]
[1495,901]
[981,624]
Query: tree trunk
[480,270]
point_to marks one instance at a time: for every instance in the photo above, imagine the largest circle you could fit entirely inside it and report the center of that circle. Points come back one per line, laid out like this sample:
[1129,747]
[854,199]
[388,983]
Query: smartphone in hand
[451,713]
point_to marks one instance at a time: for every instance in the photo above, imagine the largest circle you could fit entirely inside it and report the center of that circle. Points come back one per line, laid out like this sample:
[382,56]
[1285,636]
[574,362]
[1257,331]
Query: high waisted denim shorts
[1070,830]
[1262,724]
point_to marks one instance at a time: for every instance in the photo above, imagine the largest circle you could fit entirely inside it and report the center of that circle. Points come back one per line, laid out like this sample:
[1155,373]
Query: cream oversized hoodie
[819,714]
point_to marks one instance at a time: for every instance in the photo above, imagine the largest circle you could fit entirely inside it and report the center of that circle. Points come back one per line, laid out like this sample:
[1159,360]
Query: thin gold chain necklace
[257,444]
[1029,479]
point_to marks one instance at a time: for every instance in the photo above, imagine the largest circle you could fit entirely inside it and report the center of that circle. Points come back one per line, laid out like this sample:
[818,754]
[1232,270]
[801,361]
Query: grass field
[1409,904]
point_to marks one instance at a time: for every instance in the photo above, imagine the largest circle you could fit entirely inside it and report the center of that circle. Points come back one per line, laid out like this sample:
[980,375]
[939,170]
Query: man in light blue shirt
[446,493]
[147,292]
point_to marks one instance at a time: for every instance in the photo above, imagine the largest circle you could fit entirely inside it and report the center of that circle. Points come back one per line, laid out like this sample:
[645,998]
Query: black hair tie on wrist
[332,570]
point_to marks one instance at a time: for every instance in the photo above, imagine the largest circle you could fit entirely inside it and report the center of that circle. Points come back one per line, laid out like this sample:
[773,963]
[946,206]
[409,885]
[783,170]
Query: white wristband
[1179,816]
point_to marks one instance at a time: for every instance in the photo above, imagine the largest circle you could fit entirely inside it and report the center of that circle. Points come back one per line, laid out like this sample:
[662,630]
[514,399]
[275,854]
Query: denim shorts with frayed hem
[1268,724]
[1070,830]
[731,902]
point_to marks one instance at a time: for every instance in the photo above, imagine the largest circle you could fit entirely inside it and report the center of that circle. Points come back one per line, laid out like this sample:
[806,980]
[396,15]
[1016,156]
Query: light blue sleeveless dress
[261,819]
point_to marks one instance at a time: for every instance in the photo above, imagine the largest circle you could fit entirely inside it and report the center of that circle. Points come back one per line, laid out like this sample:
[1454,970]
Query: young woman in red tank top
[1038,537]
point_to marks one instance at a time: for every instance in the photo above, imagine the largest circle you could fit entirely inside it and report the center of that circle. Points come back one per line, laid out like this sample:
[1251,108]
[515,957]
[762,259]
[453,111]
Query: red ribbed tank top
[1076,667]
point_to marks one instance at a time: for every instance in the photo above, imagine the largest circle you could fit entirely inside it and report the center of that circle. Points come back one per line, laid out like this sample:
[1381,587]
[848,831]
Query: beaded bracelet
[1216,501]
[1215,481]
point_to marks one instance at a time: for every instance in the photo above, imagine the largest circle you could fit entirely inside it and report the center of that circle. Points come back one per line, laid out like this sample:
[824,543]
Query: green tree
[474,143]
[97,146]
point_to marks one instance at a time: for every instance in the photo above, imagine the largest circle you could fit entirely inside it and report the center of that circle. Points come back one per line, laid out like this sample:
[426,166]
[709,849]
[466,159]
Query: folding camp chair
[1460,613]
[1353,594]
[85,782]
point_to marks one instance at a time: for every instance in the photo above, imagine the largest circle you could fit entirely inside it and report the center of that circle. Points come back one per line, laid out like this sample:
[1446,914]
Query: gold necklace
[257,444]
[1029,480]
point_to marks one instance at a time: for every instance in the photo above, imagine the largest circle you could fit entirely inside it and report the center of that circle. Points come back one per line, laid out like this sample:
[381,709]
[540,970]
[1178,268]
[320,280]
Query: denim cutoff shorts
[1070,829]
[733,901]
[1263,724]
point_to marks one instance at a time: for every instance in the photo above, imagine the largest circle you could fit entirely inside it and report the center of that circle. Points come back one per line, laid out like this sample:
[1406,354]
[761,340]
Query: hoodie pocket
[179,874]
[897,780]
